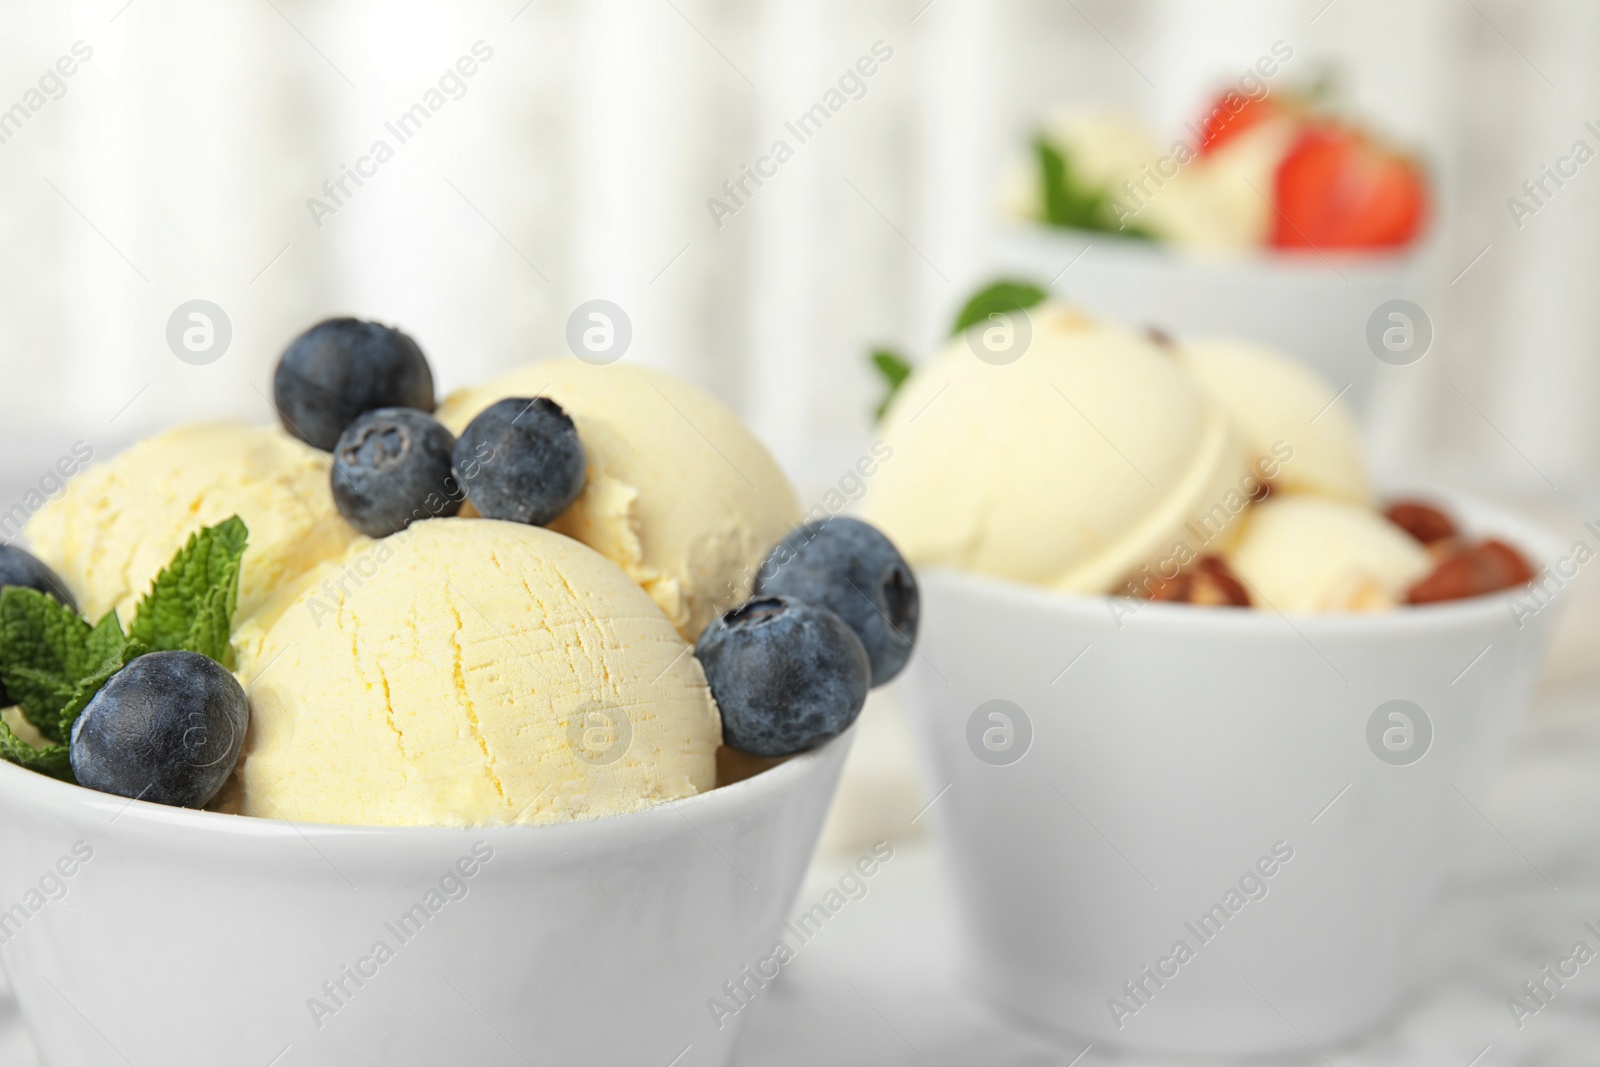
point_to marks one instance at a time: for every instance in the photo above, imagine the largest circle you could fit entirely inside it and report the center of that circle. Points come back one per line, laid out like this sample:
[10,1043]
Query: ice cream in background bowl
[1296,666]
[1095,434]
[562,660]
[1260,167]
[1046,447]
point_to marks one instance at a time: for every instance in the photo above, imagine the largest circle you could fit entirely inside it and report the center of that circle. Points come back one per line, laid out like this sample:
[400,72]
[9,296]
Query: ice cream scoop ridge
[481,672]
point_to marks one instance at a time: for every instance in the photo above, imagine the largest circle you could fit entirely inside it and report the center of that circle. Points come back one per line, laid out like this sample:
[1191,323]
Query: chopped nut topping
[1473,570]
[1422,521]
[1209,583]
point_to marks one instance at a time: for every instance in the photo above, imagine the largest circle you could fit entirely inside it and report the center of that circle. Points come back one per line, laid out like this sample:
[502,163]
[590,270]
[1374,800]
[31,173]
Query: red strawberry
[1222,124]
[1337,189]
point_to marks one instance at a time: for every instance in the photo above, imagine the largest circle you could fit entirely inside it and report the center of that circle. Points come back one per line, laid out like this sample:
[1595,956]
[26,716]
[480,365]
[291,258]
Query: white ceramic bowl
[1171,751]
[1312,306]
[189,937]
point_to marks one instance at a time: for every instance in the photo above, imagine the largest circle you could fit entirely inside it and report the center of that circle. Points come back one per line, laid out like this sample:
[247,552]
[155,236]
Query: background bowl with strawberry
[1267,216]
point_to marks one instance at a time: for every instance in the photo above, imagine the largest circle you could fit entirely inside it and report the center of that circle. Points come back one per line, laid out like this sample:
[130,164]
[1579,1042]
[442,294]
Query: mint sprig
[54,760]
[191,604]
[1002,295]
[996,298]
[53,662]
[895,369]
[1070,203]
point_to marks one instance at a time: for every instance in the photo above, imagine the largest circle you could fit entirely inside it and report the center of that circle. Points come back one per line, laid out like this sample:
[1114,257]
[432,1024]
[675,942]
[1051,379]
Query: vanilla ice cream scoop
[1300,554]
[1091,455]
[120,522]
[1104,147]
[680,494]
[1285,410]
[469,672]
[1220,201]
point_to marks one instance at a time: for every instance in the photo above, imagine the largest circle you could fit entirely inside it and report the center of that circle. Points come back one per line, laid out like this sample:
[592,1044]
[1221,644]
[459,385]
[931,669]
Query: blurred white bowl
[195,938]
[1149,761]
[1311,306]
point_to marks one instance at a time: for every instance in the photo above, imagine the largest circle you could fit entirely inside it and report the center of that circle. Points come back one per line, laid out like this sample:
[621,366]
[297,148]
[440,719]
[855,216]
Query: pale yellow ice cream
[1091,456]
[1219,201]
[1300,554]
[120,522]
[680,494]
[1280,404]
[468,672]
[1240,181]
[24,729]
[1103,146]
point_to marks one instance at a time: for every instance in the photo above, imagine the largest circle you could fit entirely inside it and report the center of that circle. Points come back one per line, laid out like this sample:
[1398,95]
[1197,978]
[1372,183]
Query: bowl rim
[1378,264]
[1474,514]
[76,802]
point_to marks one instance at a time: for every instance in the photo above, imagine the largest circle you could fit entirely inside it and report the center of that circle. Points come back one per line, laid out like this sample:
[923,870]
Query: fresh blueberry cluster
[154,713]
[364,391]
[833,614]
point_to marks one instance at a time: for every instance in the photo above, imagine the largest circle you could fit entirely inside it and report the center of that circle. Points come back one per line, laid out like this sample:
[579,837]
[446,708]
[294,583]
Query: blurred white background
[578,161]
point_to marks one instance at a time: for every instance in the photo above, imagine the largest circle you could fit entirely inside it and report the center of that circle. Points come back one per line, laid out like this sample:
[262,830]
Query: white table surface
[880,986]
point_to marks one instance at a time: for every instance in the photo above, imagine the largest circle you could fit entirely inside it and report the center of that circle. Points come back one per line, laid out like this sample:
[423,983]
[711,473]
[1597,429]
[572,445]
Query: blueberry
[786,675]
[521,460]
[18,567]
[342,367]
[853,570]
[392,467]
[21,568]
[166,728]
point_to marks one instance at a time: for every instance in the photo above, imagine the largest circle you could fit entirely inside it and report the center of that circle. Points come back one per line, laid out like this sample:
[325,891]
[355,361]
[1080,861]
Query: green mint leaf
[53,662]
[190,606]
[106,639]
[44,651]
[998,297]
[895,369]
[107,650]
[53,760]
[1068,202]
[84,692]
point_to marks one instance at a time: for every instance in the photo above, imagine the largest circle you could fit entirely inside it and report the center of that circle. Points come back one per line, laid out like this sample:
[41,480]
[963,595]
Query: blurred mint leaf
[53,760]
[895,369]
[996,298]
[1071,204]
[191,603]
